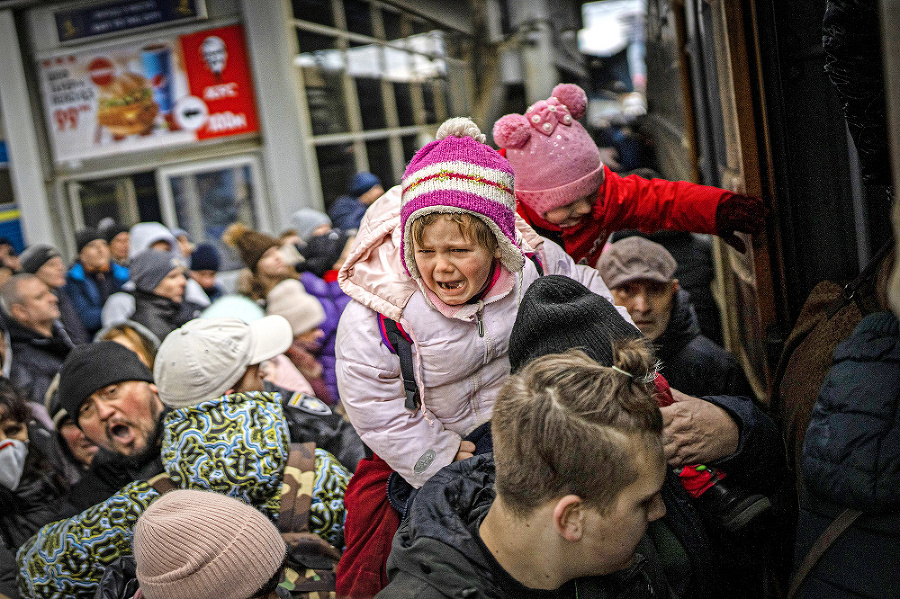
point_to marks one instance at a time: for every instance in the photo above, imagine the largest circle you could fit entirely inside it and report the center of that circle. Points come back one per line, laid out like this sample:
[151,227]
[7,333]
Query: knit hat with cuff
[558,314]
[307,220]
[458,173]
[93,366]
[555,160]
[205,257]
[635,259]
[290,300]
[85,236]
[361,183]
[35,256]
[202,545]
[150,267]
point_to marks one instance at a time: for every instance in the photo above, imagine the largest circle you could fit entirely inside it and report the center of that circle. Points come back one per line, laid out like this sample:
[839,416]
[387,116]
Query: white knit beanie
[290,300]
[202,545]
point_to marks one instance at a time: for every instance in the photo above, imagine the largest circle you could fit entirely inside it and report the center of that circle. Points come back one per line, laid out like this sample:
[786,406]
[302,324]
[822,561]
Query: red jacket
[636,203]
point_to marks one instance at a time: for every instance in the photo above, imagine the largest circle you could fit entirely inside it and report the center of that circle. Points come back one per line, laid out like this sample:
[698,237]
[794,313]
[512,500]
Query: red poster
[221,90]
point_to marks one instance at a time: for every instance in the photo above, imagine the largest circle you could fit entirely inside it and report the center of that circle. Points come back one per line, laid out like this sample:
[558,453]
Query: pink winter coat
[459,373]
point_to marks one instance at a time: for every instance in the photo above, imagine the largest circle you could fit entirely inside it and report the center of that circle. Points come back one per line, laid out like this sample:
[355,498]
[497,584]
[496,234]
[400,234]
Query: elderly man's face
[122,417]
[649,303]
[38,306]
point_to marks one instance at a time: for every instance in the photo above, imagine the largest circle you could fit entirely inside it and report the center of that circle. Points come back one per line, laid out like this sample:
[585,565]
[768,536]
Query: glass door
[203,198]
[127,199]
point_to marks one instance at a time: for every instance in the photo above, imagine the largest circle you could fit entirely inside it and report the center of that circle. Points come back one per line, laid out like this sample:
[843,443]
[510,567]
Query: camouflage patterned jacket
[237,445]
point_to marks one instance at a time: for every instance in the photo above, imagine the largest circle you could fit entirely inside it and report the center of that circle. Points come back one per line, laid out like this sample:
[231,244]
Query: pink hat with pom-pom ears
[554,159]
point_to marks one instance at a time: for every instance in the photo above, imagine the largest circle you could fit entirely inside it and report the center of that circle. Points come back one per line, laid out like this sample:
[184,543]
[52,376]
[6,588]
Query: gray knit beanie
[558,314]
[150,267]
[202,545]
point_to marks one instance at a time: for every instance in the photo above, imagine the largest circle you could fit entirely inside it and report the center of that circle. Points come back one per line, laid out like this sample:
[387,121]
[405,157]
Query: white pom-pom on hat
[460,126]
[512,131]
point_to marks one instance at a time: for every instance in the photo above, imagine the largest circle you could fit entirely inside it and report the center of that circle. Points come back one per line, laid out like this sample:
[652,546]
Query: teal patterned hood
[237,445]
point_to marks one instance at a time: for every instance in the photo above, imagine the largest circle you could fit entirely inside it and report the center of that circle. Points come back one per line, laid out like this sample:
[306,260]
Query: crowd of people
[457,387]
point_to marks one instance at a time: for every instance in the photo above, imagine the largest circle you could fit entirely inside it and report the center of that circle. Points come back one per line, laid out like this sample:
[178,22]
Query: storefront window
[126,199]
[379,152]
[314,11]
[337,165]
[371,104]
[359,17]
[399,68]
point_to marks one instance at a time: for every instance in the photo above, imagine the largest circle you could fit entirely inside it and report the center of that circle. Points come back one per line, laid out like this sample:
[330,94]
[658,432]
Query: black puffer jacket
[437,553]
[34,502]
[851,459]
[692,363]
[36,359]
[160,314]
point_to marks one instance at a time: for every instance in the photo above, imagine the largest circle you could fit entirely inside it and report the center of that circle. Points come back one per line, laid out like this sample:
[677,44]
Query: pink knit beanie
[459,173]
[202,545]
[555,160]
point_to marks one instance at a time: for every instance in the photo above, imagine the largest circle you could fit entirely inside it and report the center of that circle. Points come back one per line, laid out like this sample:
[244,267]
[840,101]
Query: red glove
[739,212]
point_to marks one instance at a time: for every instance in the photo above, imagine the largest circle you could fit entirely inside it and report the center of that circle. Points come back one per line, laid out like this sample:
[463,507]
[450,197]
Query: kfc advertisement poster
[162,93]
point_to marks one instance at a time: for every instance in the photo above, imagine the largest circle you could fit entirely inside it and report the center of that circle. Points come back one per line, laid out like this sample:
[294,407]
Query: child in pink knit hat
[567,194]
[445,258]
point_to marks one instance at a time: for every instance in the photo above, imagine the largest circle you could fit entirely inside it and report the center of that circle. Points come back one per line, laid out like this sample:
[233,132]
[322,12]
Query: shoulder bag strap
[826,540]
[296,496]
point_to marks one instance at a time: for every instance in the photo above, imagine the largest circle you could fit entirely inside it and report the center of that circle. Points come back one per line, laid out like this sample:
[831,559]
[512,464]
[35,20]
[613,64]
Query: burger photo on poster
[126,105]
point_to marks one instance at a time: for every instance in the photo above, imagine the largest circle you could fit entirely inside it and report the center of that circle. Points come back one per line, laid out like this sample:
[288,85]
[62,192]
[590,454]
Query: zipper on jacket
[479,320]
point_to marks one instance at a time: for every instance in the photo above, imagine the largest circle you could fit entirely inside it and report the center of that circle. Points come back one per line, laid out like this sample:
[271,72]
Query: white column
[21,134]
[287,160]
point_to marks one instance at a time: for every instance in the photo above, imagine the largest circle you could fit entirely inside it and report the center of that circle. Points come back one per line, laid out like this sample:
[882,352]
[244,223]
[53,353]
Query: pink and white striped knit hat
[459,173]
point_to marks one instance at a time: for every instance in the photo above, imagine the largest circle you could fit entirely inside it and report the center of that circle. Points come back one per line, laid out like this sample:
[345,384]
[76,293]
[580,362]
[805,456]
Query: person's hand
[696,431]
[739,213]
[466,451]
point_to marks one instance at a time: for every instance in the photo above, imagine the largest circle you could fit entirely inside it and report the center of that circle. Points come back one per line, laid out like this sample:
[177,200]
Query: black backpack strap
[537,263]
[402,346]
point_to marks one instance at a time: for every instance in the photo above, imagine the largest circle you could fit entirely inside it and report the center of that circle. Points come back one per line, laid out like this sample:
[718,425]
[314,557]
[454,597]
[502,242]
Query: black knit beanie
[558,314]
[93,366]
[85,236]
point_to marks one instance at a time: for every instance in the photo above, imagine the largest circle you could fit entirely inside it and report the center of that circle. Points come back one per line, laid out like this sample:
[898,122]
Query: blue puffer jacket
[88,293]
[851,459]
[334,301]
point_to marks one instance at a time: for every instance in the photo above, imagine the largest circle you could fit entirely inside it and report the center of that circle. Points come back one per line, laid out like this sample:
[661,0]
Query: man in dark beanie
[110,395]
[93,278]
[44,261]
[205,263]
[118,237]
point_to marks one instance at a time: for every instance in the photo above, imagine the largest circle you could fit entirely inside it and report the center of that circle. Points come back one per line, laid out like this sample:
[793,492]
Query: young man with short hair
[577,479]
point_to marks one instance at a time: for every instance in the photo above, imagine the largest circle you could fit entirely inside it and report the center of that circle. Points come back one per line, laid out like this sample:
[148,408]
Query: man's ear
[154,388]
[18,312]
[568,517]
[675,286]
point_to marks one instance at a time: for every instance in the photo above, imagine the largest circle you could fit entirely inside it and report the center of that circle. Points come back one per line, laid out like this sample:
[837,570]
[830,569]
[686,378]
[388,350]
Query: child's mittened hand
[466,451]
[739,212]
